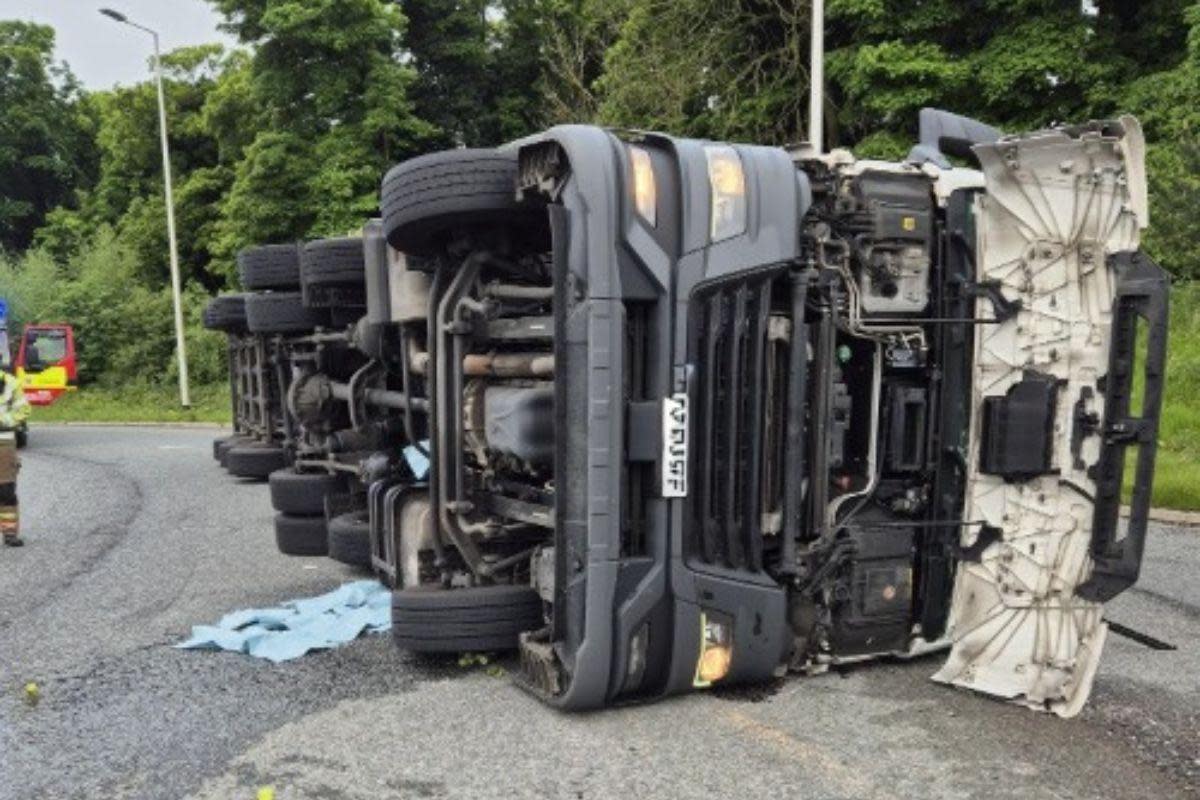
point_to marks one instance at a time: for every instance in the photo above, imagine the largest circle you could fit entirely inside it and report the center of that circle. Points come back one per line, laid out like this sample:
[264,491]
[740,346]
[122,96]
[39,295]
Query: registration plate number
[675,445]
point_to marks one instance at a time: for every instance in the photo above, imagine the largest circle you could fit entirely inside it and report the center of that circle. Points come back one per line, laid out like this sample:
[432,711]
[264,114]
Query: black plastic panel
[950,390]
[1018,429]
[1141,294]
[874,612]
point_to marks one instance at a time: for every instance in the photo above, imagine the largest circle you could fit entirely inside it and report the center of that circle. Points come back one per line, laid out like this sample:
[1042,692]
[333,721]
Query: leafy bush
[124,329]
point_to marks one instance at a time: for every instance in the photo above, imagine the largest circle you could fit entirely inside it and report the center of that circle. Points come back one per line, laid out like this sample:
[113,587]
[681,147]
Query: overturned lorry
[663,413]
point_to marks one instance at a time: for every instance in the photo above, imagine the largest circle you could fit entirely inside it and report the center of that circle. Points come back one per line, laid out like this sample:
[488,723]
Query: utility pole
[176,291]
[816,97]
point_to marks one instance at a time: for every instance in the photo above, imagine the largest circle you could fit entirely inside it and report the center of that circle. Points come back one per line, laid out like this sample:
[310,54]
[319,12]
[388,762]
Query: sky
[102,52]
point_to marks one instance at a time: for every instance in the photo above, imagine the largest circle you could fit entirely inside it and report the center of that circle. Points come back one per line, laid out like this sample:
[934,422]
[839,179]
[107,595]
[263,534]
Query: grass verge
[1177,474]
[136,403]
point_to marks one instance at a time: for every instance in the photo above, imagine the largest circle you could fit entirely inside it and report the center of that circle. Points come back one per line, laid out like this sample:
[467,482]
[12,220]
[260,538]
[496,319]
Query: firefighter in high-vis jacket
[14,410]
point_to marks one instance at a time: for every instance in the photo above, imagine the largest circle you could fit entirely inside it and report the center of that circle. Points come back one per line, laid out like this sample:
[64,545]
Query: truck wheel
[282,312]
[477,619]
[300,536]
[332,276]
[426,200]
[333,262]
[271,266]
[254,461]
[221,447]
[22,438]
[223,443]
[350,539]
[226,313]
[302,492]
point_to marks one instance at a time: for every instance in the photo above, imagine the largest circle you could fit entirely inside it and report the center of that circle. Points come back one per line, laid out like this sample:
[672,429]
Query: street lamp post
[180,345]
[816,94]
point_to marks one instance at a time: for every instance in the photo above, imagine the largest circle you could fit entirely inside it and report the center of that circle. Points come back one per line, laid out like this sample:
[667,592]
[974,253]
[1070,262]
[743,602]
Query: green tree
[1165,102]
[46,152]
[478,67]
[230,114]
[710,68]
[517,96]
[269,200]
[124,328]
[575,36]
[128,194]
[739,69]
[448,42]
[328,95]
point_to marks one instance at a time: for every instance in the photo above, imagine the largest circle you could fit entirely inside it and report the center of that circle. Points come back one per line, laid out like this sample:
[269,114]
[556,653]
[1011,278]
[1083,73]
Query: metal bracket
[1003,308]
[1085,423]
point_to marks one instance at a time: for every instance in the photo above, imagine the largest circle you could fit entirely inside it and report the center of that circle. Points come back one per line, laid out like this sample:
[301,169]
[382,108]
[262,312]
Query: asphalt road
[135,535]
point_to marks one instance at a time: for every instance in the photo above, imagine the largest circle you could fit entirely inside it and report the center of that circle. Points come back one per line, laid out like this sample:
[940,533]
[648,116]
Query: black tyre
[463,620]
[272,266]
[22,437]
[426,200]
[300,536]
[221,447]
[255,461]
[332,276]
[350,539]
[333,262]
[282,312]
[302,492]
[226,313]
[223,443]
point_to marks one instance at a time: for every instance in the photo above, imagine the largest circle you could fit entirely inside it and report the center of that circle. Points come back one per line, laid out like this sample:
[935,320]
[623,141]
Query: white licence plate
[675,445]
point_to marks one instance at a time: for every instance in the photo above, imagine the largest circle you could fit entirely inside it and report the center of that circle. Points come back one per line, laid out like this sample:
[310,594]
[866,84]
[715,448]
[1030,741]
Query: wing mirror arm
[943,135]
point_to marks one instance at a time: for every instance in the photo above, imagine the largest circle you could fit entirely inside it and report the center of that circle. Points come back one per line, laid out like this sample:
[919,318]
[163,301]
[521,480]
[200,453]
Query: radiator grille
[735,434]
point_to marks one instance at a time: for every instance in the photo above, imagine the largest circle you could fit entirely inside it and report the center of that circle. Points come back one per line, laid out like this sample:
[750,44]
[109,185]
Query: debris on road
[299,626]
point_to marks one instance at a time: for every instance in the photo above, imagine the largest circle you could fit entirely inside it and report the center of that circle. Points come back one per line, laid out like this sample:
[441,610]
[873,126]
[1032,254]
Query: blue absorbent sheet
[417,460]
[298,626]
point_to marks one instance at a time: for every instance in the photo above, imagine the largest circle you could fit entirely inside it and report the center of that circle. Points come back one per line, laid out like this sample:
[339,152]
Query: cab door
[1055,425]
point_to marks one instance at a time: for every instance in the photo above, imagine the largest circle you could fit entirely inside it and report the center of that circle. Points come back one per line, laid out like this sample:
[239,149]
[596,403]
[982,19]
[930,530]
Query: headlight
[728,183]
[636,668]
[716,651]
[645,193]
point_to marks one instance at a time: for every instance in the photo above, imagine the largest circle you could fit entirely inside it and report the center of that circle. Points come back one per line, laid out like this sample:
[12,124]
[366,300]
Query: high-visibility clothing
[14,408]
[10,464]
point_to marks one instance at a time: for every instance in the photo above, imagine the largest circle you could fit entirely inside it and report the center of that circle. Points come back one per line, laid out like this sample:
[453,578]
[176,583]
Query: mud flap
[1058,229]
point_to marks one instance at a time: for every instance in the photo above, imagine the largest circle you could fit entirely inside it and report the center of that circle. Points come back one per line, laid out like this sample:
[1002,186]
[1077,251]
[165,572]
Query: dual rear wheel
[301,527]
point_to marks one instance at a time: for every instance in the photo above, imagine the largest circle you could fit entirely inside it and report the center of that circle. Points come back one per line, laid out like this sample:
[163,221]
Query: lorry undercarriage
[662,413]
